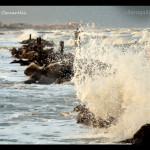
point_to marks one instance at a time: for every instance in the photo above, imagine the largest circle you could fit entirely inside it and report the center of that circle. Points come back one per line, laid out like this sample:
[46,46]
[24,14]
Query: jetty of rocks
[86,117]
[44,66]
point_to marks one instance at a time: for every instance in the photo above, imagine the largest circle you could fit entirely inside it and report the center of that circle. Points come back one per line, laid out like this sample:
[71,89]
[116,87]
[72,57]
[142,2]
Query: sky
[102,16]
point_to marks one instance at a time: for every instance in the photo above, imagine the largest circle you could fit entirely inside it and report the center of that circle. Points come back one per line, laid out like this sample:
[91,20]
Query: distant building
[73,24]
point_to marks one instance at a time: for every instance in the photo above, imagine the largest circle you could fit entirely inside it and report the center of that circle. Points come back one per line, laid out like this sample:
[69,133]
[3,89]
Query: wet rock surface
[31,69]
[86,117]
[56,72]
[44,66]
[32,42]
[141,137]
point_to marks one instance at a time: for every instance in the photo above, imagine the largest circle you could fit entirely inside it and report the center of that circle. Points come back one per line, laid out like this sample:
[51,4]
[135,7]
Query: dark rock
[56,67]
[46,80]
[22,62]
[30,81]
[79,108]
[142,136]
[53,70]
[31,55]
[24,53]
[86,117]
[35,77]
[13,50]
[31,69]
[25,63]
[13,71]
[60,70]
[44,43]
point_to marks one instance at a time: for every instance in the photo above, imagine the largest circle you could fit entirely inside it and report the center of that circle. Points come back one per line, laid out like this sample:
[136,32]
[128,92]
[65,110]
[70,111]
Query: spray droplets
[114,80]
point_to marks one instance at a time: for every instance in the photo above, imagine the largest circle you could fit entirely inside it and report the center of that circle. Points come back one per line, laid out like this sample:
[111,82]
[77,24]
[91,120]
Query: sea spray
[24,34]
[119,89]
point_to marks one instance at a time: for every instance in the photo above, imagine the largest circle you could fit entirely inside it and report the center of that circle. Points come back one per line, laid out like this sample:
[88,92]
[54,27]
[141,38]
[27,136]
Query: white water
[122,90]
[42,114]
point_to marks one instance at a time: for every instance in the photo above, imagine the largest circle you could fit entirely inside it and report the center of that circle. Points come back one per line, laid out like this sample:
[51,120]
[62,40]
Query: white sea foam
[121,90]
[24,34]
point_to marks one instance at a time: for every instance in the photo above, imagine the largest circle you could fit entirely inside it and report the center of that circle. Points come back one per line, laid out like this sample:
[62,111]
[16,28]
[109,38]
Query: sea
[43,114]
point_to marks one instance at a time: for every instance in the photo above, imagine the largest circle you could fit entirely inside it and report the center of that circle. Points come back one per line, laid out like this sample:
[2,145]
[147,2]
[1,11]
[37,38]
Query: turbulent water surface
[42,114]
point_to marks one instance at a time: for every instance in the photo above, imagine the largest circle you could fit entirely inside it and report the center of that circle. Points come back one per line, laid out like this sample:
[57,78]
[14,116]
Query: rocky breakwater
[44,66]
[86,117]
[141,137]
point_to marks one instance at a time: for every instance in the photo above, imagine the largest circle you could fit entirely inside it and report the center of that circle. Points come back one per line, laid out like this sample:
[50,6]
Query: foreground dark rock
[84,116]
[141,137]
[88,118]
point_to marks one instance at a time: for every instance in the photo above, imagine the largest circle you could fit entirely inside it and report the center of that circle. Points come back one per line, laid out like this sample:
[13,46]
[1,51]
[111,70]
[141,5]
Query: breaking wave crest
[115,82]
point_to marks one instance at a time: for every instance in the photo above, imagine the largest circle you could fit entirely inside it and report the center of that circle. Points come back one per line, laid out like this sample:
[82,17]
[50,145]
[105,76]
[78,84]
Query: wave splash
[115,82]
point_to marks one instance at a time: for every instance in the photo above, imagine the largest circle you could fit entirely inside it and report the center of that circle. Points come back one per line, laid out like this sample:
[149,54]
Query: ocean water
[43,114]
